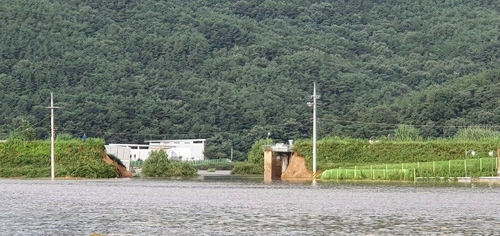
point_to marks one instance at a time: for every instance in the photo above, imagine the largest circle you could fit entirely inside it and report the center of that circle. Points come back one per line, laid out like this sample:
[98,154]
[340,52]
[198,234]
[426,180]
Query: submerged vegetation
[159,165]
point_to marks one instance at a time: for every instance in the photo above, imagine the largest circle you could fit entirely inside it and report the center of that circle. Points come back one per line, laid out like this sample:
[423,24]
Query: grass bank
[333,153]
[73,158]
[409,171]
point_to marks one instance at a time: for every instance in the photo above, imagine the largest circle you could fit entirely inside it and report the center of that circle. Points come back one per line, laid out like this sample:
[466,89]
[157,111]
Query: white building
[182,150]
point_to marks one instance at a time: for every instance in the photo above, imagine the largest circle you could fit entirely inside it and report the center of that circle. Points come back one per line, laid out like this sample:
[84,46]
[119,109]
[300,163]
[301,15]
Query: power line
[416,125]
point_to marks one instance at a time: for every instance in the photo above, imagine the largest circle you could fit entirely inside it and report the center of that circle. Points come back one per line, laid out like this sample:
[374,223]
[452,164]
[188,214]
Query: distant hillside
[232,71]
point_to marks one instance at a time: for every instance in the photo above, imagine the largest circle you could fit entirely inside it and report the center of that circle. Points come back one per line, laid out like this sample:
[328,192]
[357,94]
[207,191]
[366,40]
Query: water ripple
[167,207]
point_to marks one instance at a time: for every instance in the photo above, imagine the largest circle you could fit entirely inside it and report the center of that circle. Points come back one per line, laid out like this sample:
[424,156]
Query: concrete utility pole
[52,107]
[313,104]
[231,152]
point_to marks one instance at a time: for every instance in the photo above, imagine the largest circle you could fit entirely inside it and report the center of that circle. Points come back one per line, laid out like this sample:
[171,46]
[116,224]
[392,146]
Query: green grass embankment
[358,159]
[73,158]
[336,152]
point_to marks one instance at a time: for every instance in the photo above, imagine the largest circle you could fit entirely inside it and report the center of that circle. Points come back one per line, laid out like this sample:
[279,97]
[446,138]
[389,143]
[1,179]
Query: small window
[177,142]
[198,142]
[144,147]
[133,147]
[187,143]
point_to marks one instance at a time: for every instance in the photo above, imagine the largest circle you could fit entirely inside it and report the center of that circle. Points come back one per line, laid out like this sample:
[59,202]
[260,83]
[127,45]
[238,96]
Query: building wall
[137,151]
[188,149]
[182,149]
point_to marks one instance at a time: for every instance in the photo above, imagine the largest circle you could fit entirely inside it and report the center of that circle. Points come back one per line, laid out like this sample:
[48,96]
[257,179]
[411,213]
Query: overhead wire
[228,132]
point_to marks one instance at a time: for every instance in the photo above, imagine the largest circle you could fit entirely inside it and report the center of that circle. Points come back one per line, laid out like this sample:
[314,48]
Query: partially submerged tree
[159,165]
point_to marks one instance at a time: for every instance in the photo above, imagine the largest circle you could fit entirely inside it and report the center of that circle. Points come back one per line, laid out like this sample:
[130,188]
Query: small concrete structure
[276,160]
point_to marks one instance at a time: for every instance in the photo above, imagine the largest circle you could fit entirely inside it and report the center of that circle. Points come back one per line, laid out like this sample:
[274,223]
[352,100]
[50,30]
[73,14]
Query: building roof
[139,145]
[173,140]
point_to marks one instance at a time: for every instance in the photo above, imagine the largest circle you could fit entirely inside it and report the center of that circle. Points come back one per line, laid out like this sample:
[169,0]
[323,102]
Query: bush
[216,166]
[246,168]
[158,165]
[64,137]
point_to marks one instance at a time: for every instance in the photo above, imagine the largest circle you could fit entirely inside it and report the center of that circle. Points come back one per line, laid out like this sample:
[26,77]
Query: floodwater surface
[238,206]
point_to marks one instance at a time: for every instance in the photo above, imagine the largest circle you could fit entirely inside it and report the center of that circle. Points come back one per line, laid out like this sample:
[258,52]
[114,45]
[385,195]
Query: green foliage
[182,169]
[255,162]
[476,134]
[159,165]
[73,158]
[336,152]
[407,133]
[64,137]
[256,154]
[367,174]
[211,170]
[23,131]
[138,163]
[408,171]
[231,71]
[245,168]
[216,165]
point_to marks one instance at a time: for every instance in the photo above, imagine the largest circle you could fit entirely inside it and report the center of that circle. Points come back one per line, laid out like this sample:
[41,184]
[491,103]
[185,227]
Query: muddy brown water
[231,205]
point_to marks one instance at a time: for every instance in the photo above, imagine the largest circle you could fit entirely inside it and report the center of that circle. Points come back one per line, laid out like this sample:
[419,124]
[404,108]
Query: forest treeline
[232,71]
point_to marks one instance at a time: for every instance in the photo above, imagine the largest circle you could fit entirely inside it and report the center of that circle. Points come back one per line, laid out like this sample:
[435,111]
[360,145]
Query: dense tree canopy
[231,71]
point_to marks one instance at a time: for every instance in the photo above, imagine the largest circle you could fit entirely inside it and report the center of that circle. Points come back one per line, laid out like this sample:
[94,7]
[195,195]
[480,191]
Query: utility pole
[313,104]
[52,107]
[231,152]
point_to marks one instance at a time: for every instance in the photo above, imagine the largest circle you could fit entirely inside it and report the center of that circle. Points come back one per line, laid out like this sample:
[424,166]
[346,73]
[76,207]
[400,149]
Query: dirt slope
[297,169]
[122,171]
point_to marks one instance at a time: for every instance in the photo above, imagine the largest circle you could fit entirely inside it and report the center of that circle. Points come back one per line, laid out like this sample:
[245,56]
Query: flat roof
[173,140]
[139,145]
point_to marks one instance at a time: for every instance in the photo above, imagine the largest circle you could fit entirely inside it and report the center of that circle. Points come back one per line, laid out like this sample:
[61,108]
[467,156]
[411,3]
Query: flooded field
[228,205]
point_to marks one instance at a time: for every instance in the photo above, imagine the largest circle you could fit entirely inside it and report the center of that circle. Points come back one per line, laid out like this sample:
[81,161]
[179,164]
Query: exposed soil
[122,170]
[297,169]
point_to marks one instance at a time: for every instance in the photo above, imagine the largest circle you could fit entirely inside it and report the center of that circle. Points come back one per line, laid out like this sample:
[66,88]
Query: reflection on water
[235,205]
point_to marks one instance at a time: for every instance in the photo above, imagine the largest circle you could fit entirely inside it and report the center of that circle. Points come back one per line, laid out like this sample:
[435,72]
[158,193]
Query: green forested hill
[231,71]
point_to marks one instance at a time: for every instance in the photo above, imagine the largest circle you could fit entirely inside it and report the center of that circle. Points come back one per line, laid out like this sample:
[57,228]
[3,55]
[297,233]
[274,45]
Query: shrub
[246,168]
[407,133]
[256,154]
[216,166]
[158,165]
[64,137]
[475,134]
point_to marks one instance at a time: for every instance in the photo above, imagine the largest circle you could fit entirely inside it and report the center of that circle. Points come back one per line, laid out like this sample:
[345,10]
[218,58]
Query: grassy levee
[73,158]
[333,153]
